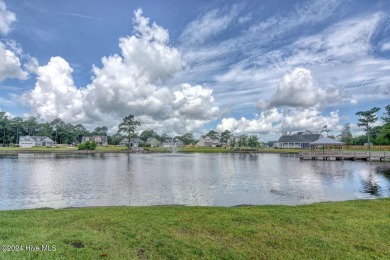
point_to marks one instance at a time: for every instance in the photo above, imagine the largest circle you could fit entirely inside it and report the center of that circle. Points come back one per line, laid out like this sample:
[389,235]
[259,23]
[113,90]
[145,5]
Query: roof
[35,138]
[212,137]
[299,138]
[152,139]
[325,141]
[132,140]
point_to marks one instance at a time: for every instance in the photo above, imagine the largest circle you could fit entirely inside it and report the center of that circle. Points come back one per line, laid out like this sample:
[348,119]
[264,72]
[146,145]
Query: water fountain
[172,145]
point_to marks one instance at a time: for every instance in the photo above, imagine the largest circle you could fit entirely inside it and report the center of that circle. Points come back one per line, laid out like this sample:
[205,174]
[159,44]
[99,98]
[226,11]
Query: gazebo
[329,143]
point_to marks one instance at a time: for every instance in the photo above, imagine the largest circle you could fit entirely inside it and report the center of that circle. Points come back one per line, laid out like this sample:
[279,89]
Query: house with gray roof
[134,142]
[100,140]
[208,141]
[153,142]
[31,141]
[300,140]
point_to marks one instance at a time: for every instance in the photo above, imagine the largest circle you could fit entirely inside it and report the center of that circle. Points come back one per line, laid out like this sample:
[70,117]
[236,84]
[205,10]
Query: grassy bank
[345,230]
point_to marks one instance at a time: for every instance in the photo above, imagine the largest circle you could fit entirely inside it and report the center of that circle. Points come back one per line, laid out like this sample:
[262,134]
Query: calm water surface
[58,181]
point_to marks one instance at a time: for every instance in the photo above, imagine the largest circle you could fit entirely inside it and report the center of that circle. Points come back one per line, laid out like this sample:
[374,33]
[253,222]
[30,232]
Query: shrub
[87,145]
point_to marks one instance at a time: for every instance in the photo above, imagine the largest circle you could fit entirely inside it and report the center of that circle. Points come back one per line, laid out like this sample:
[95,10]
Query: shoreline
[198,206]
[15,152]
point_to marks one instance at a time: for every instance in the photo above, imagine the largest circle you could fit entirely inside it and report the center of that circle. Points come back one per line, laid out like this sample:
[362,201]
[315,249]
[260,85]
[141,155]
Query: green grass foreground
[342,230]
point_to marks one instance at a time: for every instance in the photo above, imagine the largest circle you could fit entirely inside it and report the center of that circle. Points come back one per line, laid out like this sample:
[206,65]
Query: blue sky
[255,67]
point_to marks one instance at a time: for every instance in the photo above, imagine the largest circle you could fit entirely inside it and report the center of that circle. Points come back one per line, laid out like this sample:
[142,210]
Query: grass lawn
[343,230]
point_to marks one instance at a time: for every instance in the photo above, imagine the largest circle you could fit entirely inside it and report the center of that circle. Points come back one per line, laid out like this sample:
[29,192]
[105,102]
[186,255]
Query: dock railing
[346,154]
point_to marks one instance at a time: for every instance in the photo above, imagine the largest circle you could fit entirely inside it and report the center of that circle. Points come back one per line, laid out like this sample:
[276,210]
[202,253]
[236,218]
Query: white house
[31,141]
[100,140]
[169,143]
[208,140]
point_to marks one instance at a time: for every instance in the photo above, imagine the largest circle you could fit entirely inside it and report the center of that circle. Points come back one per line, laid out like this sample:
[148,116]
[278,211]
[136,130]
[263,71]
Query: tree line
[66,133]
[58,130]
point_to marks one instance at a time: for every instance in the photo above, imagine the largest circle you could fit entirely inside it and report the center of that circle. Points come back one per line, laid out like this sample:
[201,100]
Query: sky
[250,67]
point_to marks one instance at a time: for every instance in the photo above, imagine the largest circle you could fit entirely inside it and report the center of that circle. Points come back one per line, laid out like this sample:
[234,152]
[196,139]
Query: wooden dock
[343,155]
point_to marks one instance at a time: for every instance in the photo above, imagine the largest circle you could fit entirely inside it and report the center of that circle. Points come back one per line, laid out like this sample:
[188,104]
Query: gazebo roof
[327,141]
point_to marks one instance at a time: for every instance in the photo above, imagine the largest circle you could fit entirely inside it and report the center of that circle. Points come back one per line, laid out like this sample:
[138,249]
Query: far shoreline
[75,151]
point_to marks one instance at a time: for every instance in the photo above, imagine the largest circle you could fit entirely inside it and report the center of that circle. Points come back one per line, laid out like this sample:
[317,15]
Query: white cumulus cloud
[129,82]
[10,65]
[55,94]
[6,18]
[277,120]
[299,89]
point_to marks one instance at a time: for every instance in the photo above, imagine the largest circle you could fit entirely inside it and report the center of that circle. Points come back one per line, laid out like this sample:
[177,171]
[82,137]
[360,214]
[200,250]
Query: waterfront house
[300,140]
[100,140]
[153,142]
[31,141]
[134,142]
[208,141]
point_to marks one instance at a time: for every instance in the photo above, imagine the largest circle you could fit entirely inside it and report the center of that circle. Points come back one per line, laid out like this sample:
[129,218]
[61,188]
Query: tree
[253,141]
[187,139]
[386,115]
[80,130]
[365,119]
[128,126]
[242,141]
[115,139]
[16,124]
[346,134]
[100,130]
[3,124]
[225,136]
[148,134]
[384,133]
[44,129]
[213,133]
[233,142]
[30,125]
[326,130]
[58,126]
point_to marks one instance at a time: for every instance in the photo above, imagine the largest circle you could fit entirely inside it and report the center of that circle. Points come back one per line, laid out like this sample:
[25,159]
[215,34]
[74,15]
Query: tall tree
[253,141]
[187,139]
[346,134]
[16,124]
[128,126]
[80,130]
[213,133]
[100,130]
[326,130]
[3,124]
[148,134]
[233,142]
[58,126]
[386,115]
[30,125]
[225,136]
[242,141]
[45,129]
[384,133]
[365,119]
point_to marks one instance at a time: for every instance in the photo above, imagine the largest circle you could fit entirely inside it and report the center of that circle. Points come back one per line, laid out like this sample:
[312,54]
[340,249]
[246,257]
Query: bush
[87,145]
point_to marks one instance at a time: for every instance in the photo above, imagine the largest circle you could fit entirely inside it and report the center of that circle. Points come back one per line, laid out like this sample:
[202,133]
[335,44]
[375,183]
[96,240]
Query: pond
[113,179]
